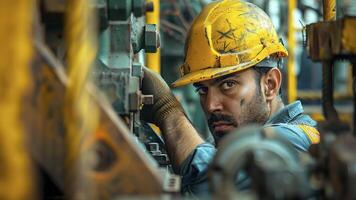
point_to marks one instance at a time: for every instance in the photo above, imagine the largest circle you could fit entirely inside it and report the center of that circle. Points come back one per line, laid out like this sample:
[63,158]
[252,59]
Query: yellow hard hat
[226,37]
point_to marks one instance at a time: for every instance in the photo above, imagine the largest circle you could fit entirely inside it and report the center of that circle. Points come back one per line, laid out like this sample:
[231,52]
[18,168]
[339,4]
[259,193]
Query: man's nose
[213,102]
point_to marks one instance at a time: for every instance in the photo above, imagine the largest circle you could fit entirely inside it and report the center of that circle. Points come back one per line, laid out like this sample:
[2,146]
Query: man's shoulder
[300,134]
[297,127]
[305,133]
[302,119]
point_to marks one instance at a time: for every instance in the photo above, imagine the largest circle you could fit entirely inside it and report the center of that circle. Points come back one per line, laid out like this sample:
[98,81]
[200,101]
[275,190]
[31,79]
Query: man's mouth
[222,126]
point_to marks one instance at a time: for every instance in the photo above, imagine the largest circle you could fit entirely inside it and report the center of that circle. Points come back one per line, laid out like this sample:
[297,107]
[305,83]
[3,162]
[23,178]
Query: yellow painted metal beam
[329,9]
[45,115]
[153,60]
[291,76]
[16,50]
[81,112]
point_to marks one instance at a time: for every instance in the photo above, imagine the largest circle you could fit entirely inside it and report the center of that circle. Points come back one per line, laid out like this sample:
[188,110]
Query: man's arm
[179,135]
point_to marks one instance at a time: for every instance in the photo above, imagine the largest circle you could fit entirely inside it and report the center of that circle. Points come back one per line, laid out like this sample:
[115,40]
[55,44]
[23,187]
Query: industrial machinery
[263,160]
[329,41]
[86,143]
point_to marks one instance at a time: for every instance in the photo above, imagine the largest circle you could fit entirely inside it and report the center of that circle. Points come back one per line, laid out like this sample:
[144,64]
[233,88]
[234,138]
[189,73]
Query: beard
[254,112]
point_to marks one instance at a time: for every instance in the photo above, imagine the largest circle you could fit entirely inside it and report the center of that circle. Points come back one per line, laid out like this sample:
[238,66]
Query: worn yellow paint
[81,112]
[226,37]
[16,50]
[312,133]
[155,129]
[329,10]
[291,76]
[348,35]
[153,60]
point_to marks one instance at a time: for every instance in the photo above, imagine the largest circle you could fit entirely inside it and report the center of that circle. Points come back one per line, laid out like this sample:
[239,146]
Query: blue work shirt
[289,122]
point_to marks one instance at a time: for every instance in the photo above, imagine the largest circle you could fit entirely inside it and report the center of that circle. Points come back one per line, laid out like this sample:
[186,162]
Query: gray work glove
[164,102]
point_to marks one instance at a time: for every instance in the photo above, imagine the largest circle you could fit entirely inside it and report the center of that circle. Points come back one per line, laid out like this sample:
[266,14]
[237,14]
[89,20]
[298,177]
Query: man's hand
[164,102]
[178,133]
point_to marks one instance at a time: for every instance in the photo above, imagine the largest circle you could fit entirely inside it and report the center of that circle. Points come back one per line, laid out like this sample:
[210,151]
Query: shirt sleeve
[298,137]
[194,170]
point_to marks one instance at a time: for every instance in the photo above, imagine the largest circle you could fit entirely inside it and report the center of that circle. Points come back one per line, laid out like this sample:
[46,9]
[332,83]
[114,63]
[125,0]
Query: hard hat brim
[210,73]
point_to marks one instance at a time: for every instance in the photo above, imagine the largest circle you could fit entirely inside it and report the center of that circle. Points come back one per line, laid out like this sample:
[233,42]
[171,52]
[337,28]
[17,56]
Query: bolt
[152,38]
[153,146]
[137,70]
[147,99]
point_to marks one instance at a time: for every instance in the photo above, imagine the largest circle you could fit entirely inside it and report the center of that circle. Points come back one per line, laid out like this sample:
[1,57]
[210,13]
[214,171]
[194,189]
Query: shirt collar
[287,113]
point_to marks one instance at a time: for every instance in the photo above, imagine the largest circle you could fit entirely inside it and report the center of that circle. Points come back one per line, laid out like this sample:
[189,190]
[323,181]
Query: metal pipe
[291,76]
[153,60]
[354,95]
[329,110]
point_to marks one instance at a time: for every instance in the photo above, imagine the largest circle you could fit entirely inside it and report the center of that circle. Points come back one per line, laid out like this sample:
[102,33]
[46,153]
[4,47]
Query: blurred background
[70,99]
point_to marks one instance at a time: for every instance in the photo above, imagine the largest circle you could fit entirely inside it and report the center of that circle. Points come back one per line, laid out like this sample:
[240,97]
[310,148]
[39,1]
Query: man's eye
[228,85]
[201,90]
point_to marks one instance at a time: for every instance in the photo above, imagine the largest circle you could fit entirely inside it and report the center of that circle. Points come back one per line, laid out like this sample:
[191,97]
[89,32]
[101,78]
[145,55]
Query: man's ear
[272,83]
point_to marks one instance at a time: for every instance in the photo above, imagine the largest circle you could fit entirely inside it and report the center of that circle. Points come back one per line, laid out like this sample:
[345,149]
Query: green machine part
[123,34]
[119,70]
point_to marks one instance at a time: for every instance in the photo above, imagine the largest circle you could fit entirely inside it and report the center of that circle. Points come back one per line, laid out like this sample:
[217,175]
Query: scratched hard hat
[226,37]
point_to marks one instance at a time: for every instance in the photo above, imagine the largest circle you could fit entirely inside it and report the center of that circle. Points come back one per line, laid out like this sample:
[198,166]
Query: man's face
[232,101]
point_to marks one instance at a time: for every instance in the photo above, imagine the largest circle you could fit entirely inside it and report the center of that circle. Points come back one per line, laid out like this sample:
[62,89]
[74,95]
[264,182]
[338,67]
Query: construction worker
[232,58]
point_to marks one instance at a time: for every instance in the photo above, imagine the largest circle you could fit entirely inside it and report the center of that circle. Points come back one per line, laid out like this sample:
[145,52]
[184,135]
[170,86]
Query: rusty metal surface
[354,95]
[54,5]
[348,35]
[43,117]
[331,40]
[334,173]
[342,165]
[127,171]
